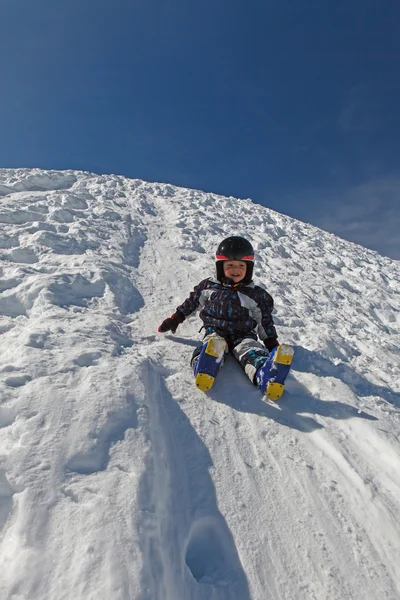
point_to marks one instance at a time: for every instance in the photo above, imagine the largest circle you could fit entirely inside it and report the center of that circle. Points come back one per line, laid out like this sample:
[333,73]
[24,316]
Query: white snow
[118,478]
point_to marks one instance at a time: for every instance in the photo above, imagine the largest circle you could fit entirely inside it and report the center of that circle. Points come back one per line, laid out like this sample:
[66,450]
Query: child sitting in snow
[232,307]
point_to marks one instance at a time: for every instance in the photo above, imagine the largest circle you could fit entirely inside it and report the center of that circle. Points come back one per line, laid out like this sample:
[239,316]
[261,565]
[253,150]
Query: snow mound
[118,478]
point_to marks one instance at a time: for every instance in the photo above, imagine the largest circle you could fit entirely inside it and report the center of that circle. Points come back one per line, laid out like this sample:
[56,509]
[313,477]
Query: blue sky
[294,104]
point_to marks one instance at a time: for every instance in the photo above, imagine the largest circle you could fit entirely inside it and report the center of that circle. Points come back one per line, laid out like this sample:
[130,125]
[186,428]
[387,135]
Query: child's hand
[270,343]
[171,324]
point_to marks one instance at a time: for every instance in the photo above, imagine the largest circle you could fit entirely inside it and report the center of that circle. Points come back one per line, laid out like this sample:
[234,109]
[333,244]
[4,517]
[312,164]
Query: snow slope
[118,478]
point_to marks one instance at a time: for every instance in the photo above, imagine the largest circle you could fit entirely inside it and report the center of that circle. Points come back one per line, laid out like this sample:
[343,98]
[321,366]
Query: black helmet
[235,248]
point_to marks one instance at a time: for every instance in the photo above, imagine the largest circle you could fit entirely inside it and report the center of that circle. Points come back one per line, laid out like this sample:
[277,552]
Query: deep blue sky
[295,104]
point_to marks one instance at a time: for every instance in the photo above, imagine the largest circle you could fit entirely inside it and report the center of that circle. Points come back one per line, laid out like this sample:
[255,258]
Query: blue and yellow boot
[209,362]
[270,378]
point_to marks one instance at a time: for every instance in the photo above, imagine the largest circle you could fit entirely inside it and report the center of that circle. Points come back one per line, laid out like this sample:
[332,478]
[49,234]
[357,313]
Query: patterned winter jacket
[233,312]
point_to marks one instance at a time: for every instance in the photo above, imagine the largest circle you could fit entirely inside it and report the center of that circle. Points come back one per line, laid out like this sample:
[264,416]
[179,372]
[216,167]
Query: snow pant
[251,354]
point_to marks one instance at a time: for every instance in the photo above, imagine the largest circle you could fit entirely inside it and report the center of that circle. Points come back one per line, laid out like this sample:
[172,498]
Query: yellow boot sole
[204,382]
[283,356]
[274,391]
[216,347]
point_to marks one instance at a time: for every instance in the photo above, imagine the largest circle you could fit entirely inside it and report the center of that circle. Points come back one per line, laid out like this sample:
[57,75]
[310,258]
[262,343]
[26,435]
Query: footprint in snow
[7,416]
[87,359]
[208,553]
[6,494]
[17,381]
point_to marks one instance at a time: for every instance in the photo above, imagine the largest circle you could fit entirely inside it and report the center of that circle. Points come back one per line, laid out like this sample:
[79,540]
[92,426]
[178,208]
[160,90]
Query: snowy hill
[119,480]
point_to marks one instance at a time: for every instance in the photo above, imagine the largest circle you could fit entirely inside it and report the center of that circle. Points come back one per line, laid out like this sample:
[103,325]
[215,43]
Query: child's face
[235,270]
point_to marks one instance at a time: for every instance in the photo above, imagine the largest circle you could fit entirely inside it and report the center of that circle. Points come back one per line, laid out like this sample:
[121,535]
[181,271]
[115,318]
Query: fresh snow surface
[119,480]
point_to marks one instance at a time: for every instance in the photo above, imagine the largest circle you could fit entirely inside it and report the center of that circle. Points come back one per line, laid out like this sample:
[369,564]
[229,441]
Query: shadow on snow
[234,389]
[189,551]
[307,361]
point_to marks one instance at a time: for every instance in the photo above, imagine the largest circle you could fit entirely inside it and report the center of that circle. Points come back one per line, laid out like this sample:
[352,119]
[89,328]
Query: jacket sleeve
[191,304]
[267,329]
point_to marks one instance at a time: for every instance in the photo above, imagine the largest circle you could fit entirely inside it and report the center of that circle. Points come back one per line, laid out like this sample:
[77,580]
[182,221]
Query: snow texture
[118,478]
